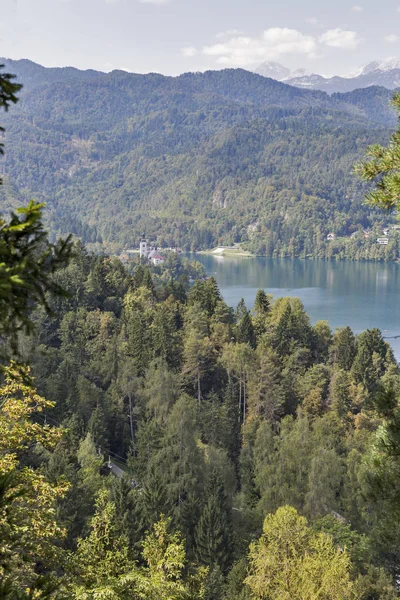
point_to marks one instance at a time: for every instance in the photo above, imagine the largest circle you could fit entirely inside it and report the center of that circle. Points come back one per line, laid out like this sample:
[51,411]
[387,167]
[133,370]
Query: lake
[361,295]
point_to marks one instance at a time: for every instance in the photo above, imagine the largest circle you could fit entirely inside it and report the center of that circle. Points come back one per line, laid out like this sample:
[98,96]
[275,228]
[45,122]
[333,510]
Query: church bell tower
[143,247]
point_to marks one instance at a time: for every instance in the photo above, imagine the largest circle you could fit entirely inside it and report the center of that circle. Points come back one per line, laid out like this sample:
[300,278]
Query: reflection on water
[362,295]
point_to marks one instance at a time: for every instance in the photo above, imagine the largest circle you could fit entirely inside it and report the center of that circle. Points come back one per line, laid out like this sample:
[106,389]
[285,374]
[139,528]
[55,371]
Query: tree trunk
[131,418]
[198,388]
[240,396]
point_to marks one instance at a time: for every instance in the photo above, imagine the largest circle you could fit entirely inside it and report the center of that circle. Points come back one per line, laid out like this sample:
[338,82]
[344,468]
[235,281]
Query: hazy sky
[173,36]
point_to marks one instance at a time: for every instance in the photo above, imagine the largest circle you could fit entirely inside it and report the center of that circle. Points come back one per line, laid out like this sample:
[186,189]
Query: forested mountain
[196,160]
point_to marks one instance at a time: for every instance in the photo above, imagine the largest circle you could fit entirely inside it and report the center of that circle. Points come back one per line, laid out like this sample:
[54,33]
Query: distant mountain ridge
[196,160]
[385,73]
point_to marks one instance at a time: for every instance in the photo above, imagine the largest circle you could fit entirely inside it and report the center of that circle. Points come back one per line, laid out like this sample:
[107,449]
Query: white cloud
[341,38]
[392,38]
[189,51]
[357,8]
[273,44]
[111,1]
[312,20]
[223,35]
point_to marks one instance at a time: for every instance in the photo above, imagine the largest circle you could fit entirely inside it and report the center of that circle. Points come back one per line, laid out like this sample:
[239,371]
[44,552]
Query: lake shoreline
[231,252]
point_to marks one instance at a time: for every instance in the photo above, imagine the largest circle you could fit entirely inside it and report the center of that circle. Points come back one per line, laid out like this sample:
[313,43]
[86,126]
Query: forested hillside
[158,444]
[195,441]
[204,158]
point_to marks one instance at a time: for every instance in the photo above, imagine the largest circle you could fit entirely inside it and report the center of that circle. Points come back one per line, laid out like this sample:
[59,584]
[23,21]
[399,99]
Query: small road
[115,469]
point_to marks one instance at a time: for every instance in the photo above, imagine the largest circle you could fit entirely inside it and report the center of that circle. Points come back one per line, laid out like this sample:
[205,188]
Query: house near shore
[157,259]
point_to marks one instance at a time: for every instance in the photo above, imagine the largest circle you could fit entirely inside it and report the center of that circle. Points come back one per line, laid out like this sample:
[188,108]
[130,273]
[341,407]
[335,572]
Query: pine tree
[266,395]
[154,501]
[382,166]
[245,330]
[344,348]
[262,308]
[213,541]
[262,303]
[97,426]
[178,461]
[340,398]
[206,295]
[322,340]
[369,362]
[198,356]
[137,342]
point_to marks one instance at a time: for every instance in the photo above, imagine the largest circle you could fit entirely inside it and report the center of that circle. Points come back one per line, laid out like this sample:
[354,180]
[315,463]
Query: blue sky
[174,36]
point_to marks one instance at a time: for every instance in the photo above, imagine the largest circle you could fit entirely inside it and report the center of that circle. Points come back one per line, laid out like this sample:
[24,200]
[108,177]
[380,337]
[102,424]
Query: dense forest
[185,444]
[195,161]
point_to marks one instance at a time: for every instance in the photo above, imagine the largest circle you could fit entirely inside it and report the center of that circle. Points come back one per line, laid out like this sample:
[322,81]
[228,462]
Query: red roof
[158,256]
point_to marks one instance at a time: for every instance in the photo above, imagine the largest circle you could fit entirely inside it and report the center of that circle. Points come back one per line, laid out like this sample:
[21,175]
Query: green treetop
[382,166]
[290,562]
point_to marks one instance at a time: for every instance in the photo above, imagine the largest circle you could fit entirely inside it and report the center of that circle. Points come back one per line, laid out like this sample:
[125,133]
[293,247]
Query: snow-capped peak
[387,64]
[279,72]
[274,70]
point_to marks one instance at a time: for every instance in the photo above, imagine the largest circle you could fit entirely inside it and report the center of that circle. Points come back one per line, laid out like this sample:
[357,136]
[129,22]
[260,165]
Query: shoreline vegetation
[237,251]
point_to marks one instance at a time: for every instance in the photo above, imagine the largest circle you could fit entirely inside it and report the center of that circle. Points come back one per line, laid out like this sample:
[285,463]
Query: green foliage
[382,166]
[211,420]
[27,263]
[28,524]
[291,420]
[198,160]
[8,95]
[290,562]
[213,543]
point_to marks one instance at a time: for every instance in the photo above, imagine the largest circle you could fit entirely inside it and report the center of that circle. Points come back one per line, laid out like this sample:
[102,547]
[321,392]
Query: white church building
[151,254]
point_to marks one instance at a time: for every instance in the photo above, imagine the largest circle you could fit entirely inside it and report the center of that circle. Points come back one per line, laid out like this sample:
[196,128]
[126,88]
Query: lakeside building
[150,254]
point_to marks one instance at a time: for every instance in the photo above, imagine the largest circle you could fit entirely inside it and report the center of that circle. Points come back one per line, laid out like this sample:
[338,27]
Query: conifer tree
[137,346]
[344,348]
[262,308]
[340,398]
[245,330]
[206,295]
[262,303]
[213,539]
[198,356]
[382,166]
[178,460]
[266,395]
[154,500]
[369,362]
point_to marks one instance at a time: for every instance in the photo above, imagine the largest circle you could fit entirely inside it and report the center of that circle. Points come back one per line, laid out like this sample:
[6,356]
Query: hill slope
[195,160]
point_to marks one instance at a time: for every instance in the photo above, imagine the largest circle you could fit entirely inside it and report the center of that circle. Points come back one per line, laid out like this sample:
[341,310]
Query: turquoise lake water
[361,295]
